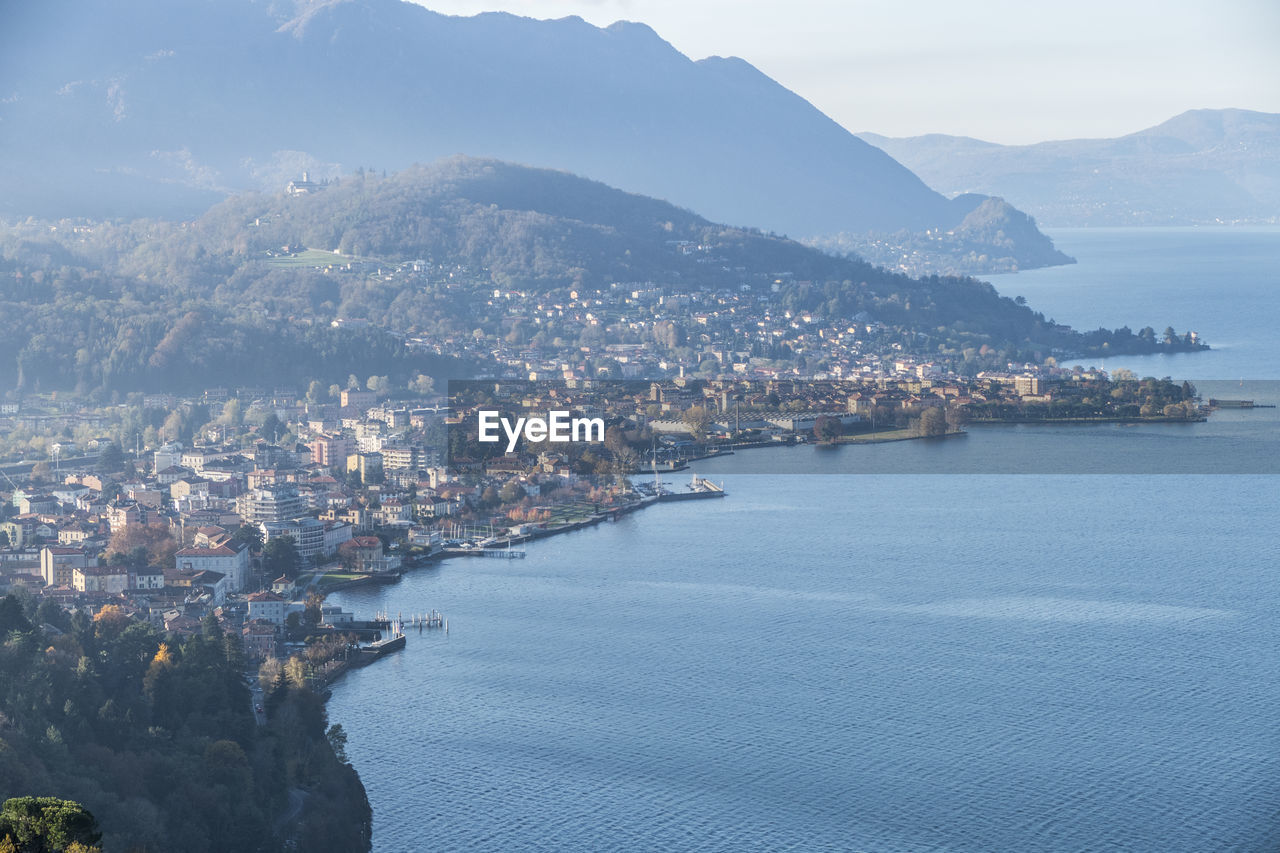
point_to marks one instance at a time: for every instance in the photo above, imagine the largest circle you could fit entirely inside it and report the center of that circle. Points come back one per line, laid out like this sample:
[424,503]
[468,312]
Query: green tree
[272,428]
[232,413]
[422,385]
[47,824]
[280,557]
[312,614]
[111,457]
[249,534]
[12,617]
[338,741]
[51,612]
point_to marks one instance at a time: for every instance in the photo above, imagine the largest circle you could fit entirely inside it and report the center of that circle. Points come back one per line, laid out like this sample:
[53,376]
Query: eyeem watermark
[558,427]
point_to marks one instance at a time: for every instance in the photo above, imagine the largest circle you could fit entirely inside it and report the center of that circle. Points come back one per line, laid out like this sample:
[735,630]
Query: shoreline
[595,520]
[614,513]
[882,437]
[1086,421]
[328,679]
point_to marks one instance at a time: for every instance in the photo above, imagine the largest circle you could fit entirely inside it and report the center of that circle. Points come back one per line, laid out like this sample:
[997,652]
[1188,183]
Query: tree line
[155,737]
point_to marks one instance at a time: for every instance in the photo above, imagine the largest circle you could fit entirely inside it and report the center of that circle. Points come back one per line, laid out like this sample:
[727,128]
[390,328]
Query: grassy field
[880,435]
[312,258]
[337,577]
[323,578]
[571,512]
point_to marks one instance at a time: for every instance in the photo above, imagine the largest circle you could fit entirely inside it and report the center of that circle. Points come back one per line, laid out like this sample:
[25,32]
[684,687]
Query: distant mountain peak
[634,28]
[1204,128]
[386,83]
[1203,166]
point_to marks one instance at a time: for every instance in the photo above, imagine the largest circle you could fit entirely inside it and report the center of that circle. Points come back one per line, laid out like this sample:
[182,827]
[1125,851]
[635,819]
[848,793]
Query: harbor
[484,542]
[383,635]
[373,640]
[699,488]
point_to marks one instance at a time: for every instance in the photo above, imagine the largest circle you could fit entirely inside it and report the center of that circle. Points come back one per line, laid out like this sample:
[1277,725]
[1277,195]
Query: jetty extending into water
[370,652]
[1238,404]
[698,488]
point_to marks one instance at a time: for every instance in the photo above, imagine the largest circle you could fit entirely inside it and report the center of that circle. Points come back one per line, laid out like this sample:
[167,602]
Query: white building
[168,456]
[112,579]
[335,533]
[268,607]
[307,533]
[146,579]
[231,559]
[274,503]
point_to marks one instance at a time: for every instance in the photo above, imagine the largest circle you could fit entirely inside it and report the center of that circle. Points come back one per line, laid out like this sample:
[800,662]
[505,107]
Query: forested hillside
[271,289]
[193,101]
[156,737]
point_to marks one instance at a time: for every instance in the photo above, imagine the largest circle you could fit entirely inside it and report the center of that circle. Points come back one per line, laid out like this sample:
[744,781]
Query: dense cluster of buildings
[362,477]
[181,531]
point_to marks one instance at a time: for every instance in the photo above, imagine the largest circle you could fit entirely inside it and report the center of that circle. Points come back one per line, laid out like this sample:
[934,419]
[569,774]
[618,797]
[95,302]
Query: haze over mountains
[155,107]
[1201,167]
[472,259]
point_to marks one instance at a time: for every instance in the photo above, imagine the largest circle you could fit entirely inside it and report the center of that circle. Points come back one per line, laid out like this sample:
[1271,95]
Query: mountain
[993,237]
[158,107]
[1201,167]
[470,260]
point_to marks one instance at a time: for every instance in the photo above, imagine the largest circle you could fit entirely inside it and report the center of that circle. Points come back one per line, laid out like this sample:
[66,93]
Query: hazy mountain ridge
[109,307]
[993,237]
[1200,167]
[187,100]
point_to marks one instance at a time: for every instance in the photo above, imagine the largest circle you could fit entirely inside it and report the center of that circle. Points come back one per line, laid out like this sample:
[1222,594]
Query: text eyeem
[558,427]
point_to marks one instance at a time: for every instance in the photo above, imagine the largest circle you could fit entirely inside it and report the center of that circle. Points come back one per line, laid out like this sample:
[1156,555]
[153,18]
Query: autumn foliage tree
[110,621]
[933,422]
[827,428]
[139,545]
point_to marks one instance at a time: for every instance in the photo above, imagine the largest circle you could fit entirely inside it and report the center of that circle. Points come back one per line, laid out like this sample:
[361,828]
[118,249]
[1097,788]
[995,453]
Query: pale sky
[1011,71]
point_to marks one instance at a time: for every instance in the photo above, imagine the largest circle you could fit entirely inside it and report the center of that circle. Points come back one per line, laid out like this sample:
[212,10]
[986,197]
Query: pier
[1238,404]
[699,488]
[434,619]
[421,621]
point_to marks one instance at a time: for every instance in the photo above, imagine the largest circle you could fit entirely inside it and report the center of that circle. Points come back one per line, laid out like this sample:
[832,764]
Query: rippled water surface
[1041,660]
[847,663]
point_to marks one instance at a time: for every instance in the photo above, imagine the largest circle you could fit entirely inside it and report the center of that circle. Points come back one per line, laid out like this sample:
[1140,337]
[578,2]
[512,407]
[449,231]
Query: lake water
[1224,283]
[861,661]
